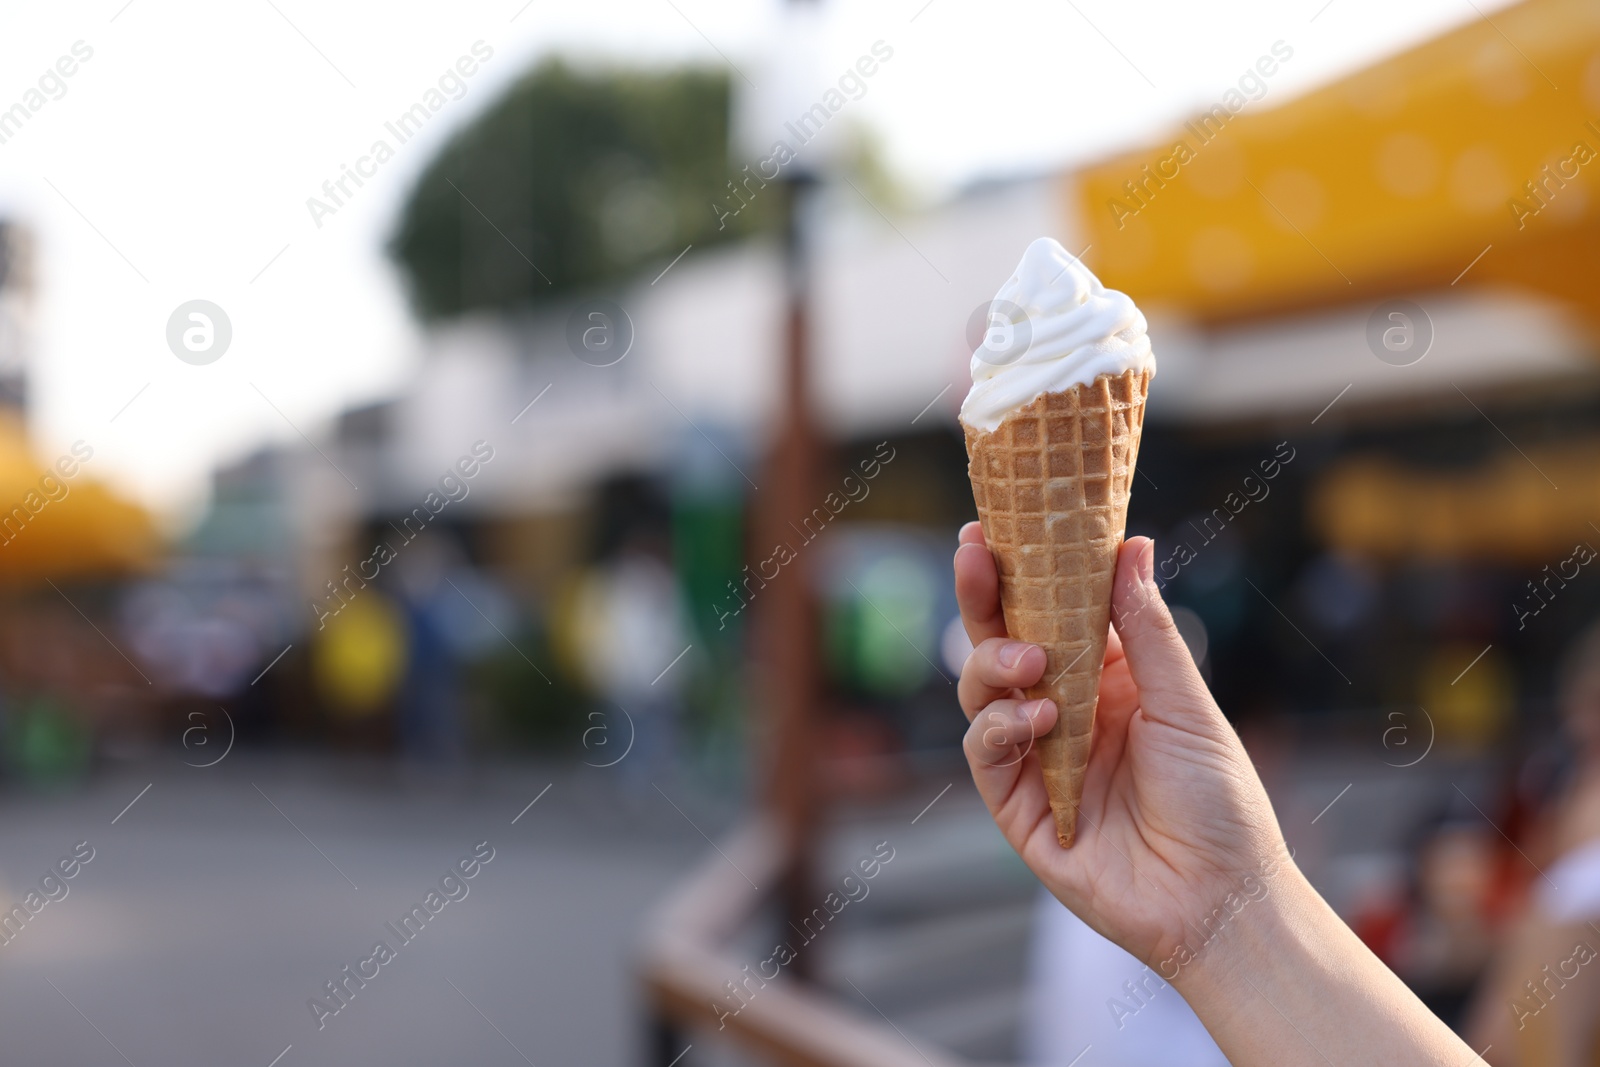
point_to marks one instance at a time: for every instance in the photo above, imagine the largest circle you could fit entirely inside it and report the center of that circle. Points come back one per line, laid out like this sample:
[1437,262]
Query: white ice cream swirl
[1051,326]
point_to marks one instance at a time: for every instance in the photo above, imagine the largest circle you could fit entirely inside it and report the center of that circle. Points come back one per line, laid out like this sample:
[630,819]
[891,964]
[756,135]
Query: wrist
[1287,983]
[1256,916]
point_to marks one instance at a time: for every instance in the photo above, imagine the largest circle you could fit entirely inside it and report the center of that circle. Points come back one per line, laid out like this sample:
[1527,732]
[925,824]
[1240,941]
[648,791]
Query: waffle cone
[1051,483]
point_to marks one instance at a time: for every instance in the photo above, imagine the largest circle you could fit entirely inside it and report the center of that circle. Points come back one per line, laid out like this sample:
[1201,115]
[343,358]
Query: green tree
[573,179]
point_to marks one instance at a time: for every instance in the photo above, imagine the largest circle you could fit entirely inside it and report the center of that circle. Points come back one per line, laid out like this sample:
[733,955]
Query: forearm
[1288,983]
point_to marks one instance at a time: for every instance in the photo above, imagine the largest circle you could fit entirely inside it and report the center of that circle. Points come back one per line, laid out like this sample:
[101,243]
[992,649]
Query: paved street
[205,920]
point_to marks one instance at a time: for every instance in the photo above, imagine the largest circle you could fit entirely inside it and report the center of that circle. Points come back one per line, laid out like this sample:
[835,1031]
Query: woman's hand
[1178,858]
[1174,825]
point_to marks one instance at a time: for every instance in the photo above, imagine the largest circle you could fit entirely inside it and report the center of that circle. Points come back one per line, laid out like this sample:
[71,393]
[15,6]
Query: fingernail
[1147,561]
[1012,654]
[1031,711]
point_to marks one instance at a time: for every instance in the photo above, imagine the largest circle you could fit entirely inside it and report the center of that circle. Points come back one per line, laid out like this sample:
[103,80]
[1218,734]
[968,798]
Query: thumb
[1170,687]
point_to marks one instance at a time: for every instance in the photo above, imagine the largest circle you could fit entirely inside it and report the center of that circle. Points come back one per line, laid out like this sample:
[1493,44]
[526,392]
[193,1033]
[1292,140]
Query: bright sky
[177,163]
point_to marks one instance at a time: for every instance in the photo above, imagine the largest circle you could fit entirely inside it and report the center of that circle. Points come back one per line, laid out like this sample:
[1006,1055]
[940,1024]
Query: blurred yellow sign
[1506,509]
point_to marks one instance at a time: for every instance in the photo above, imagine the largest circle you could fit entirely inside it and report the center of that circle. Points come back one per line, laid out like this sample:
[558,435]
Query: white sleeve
[1569,891]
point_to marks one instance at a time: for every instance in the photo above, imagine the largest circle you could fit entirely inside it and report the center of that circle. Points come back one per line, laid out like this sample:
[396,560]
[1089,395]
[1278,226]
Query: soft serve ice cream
[1052,426]
[1052,326]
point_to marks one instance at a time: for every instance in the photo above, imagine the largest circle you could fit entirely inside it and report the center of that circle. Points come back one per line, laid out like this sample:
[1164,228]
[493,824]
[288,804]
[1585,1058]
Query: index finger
[978,587]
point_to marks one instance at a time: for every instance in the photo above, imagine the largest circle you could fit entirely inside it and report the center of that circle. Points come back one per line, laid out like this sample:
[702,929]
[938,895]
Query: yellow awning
[1393,180]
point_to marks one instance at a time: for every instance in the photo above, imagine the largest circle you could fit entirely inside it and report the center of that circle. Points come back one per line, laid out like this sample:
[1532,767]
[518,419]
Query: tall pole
[790,682]
[792,659]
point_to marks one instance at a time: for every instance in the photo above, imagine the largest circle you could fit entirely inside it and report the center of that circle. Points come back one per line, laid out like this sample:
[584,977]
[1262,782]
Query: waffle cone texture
[1051,483]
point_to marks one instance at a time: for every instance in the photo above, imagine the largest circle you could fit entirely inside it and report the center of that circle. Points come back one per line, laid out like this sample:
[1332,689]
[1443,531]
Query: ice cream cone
[1051,483]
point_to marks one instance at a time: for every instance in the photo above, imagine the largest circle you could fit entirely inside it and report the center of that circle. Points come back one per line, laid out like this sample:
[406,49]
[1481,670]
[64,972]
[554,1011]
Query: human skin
[1174,825]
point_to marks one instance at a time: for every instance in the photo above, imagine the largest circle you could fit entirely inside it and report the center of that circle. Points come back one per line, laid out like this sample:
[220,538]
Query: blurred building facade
[1341,414]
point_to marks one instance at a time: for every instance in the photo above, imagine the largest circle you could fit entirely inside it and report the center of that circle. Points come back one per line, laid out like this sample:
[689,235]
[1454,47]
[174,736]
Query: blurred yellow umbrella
[56,523]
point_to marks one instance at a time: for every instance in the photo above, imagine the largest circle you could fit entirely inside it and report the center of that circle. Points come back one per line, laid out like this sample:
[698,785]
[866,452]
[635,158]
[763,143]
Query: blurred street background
[532,431]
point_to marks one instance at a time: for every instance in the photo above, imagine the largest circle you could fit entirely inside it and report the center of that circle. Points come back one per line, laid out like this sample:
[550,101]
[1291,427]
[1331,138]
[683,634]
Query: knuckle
[989,649]
[1161,620]
[1144,615]
[972,745]
[988,737]
[970,694]
[977,671]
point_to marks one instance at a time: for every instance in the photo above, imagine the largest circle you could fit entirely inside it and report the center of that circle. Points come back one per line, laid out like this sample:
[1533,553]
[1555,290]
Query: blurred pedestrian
[1541,1005]
[358,659]
[430,714]
[634,629]
[1445,938]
